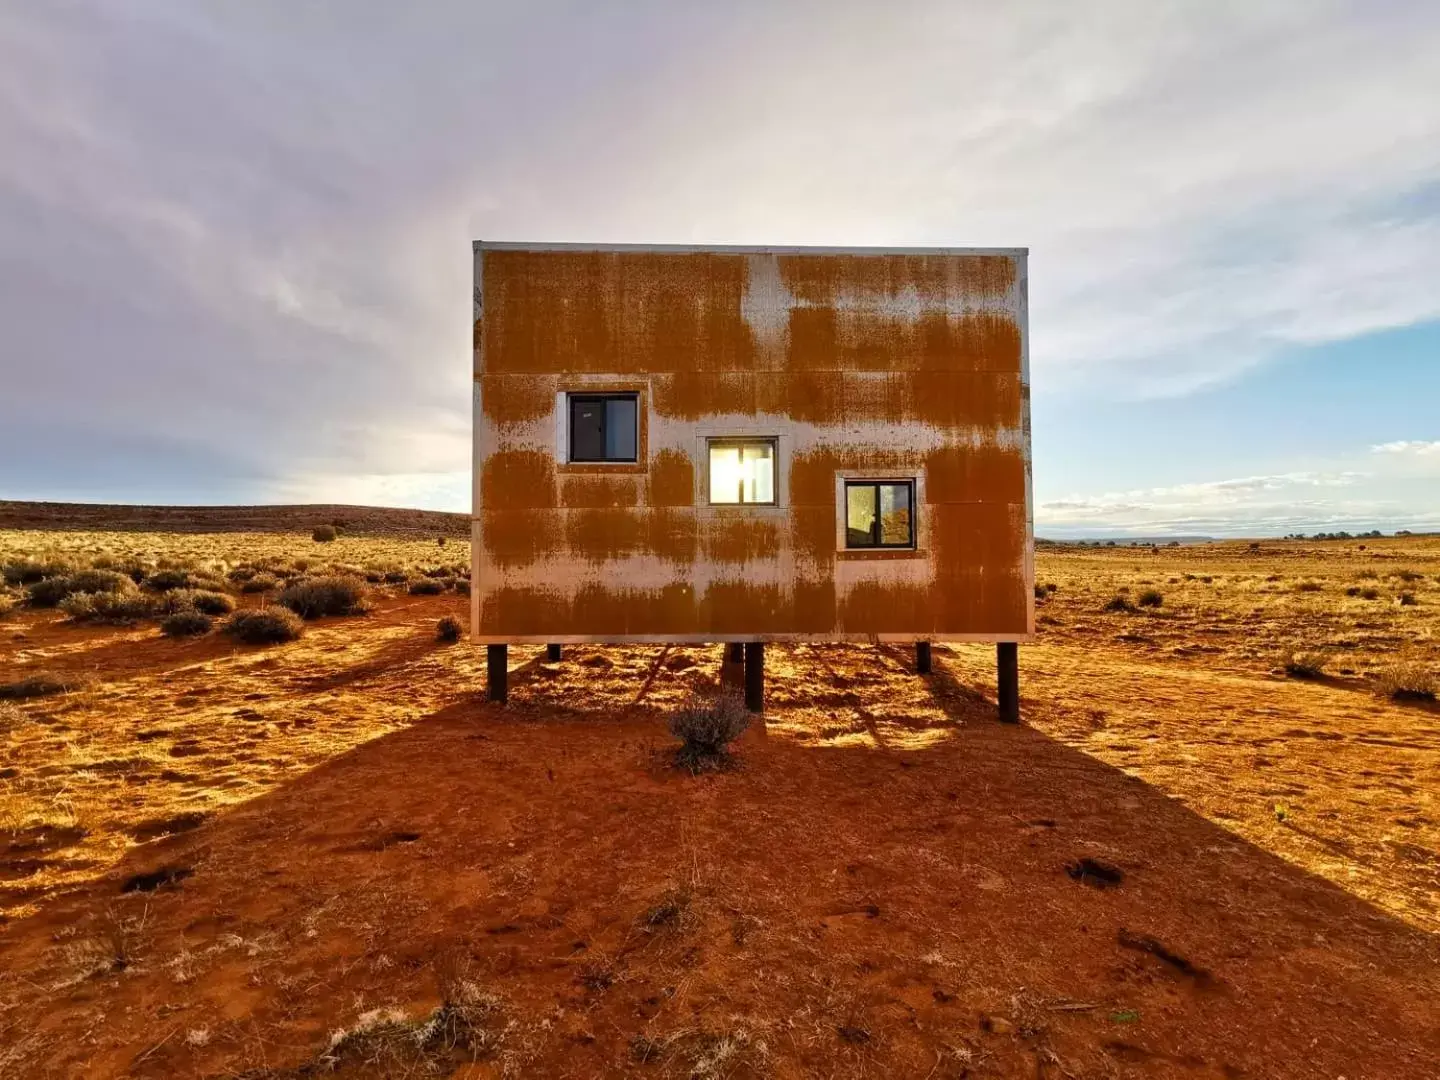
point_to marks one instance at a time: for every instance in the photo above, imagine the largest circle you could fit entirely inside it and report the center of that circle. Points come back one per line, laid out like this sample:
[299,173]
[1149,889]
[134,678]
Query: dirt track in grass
[891,884]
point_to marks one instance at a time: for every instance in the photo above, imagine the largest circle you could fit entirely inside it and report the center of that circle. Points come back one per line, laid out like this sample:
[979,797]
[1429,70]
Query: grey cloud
[236,235]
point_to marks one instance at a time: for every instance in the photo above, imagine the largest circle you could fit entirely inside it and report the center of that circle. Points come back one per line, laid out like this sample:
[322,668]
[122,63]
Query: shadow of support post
[922,657]
[755,676]
[1007,657]
[497,672]
[552,653]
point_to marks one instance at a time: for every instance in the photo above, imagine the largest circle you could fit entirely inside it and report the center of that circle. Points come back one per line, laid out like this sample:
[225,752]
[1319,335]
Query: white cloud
[1388,495]
[1409,448]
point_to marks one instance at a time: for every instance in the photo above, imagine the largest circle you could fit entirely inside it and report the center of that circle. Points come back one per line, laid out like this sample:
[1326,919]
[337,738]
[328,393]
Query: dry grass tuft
[186,622]
[1120,604]
[1408,680]
[1150,598]
[41,684]
[427,586]
[265,626]
[313,597]
[1304,663]
[51,591]
[205,601]
[706,725]
[324,534]
[118,608]
[260,582]
[448,629]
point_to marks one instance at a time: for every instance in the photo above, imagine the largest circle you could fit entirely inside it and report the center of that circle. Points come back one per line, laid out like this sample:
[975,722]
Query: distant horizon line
[1118,534]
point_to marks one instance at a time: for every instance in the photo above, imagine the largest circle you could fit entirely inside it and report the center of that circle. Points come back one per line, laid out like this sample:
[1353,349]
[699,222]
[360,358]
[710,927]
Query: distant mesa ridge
[356,520]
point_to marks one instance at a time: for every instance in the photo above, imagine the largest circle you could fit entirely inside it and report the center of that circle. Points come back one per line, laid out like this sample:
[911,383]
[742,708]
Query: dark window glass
[879,514]
[604,427]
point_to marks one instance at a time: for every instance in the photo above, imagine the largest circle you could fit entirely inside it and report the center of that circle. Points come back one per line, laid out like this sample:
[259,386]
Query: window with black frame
[604,427]
[879,513]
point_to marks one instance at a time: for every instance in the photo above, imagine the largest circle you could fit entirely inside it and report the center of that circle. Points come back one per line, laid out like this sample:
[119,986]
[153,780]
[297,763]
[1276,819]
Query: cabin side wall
[899,366]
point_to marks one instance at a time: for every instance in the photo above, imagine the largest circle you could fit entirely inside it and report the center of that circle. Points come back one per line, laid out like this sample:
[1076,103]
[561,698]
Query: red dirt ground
[880,889]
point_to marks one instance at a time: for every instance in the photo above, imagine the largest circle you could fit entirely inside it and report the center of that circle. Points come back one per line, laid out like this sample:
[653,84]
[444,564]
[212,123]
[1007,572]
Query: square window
[880,513]
[742,471]
[604,427]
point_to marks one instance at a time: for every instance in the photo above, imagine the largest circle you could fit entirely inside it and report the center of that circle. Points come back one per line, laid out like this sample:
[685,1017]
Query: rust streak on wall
[518,479]
[742,540]
[737,607]
[956,474]
[511,400]
[673,534]
[597,535]
[516,538]
[615,312]
[591,491]
[689,395]
[672,479]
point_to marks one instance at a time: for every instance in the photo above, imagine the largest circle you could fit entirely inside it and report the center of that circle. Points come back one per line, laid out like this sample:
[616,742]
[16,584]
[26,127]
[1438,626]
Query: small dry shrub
[1408,576]
[1150,598]
[29,571]
[41,684]
[187,622]
[202,600]
[265,626]
[323,534]
[1408,680]
[706,725]
[1120,604]
[241,574]
[1304,663]
[1308,586]
[427,586]
[7,604]
[261,582]
[51,591]
[168,579]
[312,597]
[109,607]
[448,629]
[1407,599]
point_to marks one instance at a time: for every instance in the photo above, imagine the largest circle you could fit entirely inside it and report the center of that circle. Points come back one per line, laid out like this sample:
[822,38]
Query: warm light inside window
[742,472]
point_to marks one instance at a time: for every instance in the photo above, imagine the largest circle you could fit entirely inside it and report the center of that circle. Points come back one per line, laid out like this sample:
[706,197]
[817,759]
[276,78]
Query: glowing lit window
[603,427]
[742,471]
[879,514]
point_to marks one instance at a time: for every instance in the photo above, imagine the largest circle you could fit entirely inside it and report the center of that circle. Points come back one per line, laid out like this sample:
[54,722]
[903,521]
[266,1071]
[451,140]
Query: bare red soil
[916,903]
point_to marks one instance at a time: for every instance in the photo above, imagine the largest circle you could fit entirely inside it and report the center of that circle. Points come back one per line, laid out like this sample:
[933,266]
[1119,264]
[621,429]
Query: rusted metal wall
[894,363]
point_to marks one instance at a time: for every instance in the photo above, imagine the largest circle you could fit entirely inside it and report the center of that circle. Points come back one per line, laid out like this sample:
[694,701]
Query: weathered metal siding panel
[908,364]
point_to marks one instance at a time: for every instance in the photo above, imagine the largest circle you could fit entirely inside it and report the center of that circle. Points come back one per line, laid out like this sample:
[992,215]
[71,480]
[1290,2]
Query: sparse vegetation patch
[265,626]
[1408,680]
[313,597]
[706,725]
[41,684]
[187,622]
[1304,663]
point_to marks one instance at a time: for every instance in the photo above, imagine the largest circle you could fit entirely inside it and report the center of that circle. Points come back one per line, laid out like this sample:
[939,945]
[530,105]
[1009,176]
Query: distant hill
[358,520]
[1126,541]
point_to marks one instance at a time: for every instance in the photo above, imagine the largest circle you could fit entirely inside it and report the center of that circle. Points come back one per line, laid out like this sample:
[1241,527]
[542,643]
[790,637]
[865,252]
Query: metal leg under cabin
[1007,657]
[735,652]
[552,653]
[497,672]
[755,676]
[922,657]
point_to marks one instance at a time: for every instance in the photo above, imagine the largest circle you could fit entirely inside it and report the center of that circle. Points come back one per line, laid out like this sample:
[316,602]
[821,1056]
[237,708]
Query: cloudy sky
[234,236]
